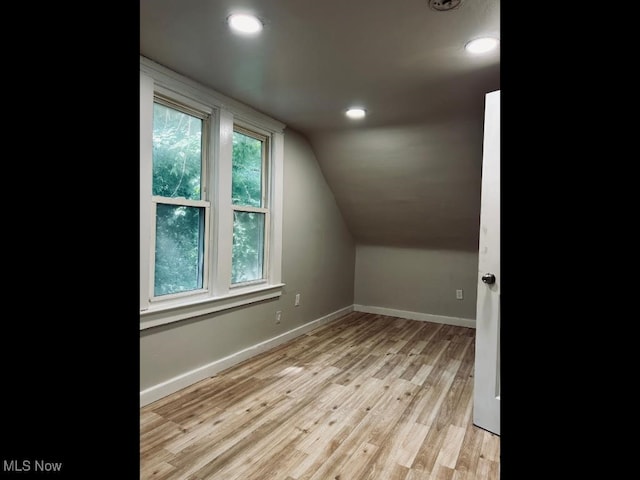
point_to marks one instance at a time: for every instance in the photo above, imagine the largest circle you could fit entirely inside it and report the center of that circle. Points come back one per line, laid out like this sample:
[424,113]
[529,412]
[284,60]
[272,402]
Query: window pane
[177,153]
[179,249]
[247,170]
[248,246]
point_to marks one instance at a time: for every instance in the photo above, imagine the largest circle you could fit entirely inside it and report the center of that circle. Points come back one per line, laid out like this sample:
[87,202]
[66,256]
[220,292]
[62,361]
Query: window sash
[264,209]
[265,157]
[265,247]
[203,203]
[206,133]
[206,254]
[180,201]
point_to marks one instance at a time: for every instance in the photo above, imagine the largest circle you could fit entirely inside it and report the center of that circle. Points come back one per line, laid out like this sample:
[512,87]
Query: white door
[486,394]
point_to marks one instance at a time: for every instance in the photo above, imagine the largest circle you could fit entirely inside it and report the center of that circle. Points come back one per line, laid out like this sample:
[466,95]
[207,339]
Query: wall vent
[444,5]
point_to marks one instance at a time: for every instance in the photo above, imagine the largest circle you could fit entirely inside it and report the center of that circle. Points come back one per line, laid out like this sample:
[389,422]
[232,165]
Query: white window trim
[265,209]
[220,295]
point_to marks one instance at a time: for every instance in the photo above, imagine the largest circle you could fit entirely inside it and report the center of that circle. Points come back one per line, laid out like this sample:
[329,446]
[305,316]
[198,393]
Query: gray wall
[417,280]
[318,261]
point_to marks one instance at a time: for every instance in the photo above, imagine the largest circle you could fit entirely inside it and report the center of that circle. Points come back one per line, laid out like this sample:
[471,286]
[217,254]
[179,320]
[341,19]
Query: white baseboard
[424,317]
[179,382]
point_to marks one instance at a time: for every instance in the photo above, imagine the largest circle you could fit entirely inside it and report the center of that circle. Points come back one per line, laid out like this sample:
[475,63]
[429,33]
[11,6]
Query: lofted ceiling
[406,175]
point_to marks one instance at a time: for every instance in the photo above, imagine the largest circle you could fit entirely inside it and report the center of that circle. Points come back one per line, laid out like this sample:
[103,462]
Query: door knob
[489,278]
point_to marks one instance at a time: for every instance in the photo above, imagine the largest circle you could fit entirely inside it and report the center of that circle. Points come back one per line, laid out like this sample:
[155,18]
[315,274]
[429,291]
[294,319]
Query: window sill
[162,315]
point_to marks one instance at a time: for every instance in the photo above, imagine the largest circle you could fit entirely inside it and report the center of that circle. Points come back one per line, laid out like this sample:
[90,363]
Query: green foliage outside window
[248,246]
[247,171]
[177,153]
[248,227]
[179,249]
[177,173]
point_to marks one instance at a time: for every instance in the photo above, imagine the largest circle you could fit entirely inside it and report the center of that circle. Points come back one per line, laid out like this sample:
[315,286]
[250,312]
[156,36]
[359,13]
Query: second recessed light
[242,23]
[482,45]
[356,112]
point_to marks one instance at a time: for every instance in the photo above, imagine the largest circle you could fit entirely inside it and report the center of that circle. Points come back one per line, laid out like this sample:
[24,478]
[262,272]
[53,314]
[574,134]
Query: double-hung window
[211,174]
[180,210]
[249,199]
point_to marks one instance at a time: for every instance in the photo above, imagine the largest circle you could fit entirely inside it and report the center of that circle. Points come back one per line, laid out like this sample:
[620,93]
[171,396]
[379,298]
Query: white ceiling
[409,173]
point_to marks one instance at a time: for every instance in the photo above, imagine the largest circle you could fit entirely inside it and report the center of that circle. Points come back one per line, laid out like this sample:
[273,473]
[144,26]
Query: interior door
[486,400]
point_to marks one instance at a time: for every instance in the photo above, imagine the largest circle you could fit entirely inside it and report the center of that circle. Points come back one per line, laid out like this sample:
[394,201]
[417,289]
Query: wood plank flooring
[367,397]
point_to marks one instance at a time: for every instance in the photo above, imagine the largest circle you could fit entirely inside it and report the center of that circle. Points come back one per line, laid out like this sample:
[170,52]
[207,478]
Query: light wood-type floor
[364,397]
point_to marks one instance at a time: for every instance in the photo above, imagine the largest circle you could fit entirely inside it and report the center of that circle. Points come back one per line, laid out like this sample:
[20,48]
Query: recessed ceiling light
[482,45]
[244,23]
[355,112]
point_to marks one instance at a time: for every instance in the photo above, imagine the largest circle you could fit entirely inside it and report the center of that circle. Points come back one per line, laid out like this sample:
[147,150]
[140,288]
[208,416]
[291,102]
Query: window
[210,200]
[250,217]
[181,214]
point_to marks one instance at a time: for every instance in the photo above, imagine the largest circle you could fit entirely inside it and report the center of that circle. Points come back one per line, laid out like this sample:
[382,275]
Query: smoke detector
[444,5]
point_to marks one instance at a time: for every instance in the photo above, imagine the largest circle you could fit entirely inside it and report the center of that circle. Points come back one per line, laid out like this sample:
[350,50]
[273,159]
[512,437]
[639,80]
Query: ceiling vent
[444,5]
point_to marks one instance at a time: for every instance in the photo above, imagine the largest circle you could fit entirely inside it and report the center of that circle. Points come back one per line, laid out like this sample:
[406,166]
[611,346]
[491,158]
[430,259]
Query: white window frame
[266,195]
[204,114]
[219,294]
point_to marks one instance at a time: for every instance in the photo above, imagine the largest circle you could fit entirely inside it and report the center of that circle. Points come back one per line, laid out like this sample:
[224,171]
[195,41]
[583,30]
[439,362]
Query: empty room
[319,239]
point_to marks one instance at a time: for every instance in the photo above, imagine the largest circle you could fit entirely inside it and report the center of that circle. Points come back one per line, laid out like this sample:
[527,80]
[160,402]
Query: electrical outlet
[278,317]
[297,303]
[459,294]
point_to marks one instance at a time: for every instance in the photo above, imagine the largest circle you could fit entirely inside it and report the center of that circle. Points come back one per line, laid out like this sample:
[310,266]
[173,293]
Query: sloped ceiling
[409,173]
